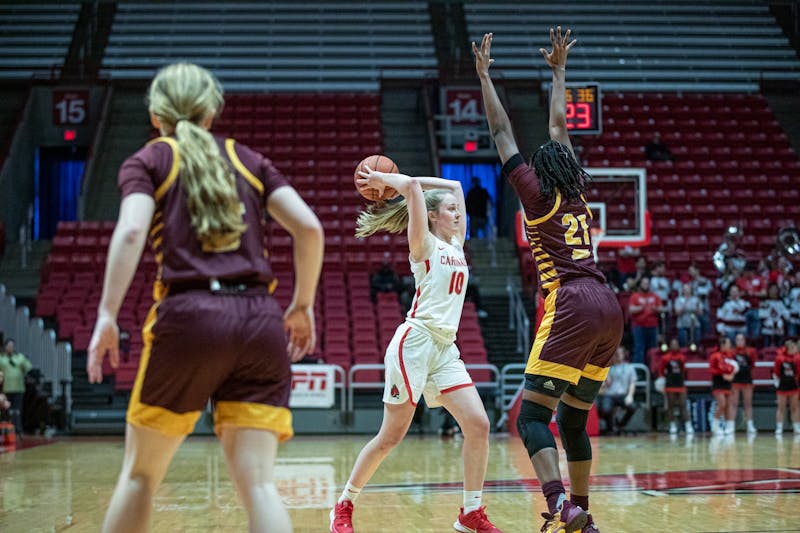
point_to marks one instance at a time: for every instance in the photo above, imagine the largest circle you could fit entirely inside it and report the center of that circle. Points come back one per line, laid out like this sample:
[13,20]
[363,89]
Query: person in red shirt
[722,369]
[742,385]
[673,370]
[645,308]
[784,375]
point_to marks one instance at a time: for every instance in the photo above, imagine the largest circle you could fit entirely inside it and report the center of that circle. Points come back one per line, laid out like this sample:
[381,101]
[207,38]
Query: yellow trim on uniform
[549,215]
[151,416]
[595,373]
[554,370]
[544,329]
[239,166]
[546,265]
[158,242]
[547,274]
[173,172]
[272,286]
[158,227]
[254,415]
[551,285]
[580,254]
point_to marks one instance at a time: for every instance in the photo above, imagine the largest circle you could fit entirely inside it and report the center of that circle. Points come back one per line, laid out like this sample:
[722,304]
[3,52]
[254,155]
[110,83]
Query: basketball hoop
[597,237]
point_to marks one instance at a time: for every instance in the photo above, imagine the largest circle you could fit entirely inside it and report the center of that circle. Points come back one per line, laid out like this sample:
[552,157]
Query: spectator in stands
[774,314]
[617,393]
[659,283]
[478,205]
[5,404]
[656,150]
[701,287]
[639,274]
[219,333]
[784,376]
[727,279]
[732,315]
[626,264]
[14,367]
[745,357]
[385,279]
[688,309]
[722,370]
[673,370]
[793,304]
[644,308]
[753,288]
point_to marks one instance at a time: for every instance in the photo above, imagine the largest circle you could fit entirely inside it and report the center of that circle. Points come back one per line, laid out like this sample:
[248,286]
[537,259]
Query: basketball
[381,163]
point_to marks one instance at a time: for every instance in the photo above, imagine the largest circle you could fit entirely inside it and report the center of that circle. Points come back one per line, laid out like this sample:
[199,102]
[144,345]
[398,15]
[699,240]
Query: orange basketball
[381,163]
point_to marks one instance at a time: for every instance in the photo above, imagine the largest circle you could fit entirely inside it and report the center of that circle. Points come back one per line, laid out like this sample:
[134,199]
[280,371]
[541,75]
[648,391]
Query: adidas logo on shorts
[549,385]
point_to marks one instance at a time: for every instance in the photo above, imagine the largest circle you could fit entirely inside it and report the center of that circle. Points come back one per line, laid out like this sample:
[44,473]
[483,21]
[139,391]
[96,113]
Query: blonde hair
[182,96]
[393,217]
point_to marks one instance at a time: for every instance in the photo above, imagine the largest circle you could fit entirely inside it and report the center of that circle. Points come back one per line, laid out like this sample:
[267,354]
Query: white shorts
[416,364]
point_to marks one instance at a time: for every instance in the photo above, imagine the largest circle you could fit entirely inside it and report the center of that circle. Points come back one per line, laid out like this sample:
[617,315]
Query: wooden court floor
[650,483]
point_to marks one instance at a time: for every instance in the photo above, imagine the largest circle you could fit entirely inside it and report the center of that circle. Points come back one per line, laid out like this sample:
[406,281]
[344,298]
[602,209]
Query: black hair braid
[558,170]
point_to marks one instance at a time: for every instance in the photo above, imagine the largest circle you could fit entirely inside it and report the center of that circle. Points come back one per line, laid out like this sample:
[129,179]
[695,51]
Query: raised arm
[420,239]
[454,187]
[557,60]
[499,124]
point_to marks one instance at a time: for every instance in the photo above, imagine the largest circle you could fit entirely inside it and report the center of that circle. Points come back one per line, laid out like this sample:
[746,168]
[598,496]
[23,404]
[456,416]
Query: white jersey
[731,315]
[441,283]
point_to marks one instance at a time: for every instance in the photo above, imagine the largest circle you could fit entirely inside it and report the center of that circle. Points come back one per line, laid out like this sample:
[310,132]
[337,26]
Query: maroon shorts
[580,331]
[227,348]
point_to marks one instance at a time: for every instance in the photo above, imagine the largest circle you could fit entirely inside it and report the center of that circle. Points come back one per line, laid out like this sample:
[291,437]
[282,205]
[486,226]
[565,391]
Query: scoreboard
[584,109]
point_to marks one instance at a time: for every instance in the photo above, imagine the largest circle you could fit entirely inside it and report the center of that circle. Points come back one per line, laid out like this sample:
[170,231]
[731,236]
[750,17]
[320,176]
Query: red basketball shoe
[342,517]
[475,522]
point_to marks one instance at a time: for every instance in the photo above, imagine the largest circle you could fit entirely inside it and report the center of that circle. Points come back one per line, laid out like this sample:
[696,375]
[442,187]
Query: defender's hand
[483,58]
[557,58]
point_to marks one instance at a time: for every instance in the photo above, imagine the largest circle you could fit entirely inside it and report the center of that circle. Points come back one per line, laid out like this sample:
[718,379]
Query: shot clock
[584,109]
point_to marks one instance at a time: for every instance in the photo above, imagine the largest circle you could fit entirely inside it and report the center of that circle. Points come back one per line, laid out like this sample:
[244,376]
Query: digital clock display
[584,109]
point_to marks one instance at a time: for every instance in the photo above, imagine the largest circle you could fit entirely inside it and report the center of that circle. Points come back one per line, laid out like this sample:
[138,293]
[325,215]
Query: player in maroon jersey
[215,331]
[583,321]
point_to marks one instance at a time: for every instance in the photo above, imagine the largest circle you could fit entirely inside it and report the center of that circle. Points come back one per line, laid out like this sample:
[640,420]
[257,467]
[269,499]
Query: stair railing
[517,317]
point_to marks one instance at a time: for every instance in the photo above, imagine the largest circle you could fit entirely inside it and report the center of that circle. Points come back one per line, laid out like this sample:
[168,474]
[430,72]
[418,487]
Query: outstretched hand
[483,58]
[557,58]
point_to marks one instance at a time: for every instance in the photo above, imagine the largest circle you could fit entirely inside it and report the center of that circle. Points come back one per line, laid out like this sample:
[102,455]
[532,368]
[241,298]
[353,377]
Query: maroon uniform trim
[403,368]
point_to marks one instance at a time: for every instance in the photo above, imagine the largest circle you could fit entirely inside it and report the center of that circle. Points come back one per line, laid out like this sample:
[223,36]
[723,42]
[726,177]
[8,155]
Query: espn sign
[312,386]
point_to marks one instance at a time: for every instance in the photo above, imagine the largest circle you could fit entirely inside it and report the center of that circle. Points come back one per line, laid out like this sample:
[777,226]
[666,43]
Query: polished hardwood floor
[643,483]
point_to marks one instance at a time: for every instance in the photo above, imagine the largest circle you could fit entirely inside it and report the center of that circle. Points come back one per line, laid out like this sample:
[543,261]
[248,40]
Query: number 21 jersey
[557,230]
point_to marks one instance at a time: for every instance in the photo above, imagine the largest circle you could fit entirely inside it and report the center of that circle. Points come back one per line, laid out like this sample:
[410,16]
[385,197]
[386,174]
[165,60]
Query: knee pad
[533,426]
[572,428]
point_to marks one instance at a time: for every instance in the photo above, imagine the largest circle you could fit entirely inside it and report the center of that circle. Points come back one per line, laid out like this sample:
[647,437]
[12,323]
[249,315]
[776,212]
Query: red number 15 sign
[70,107]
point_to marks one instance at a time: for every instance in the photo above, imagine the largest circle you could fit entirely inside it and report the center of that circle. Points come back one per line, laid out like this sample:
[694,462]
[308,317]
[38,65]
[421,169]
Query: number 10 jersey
[441,283]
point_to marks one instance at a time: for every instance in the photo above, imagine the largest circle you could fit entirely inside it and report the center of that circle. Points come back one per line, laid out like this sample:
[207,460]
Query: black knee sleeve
[533,426]
[572,428]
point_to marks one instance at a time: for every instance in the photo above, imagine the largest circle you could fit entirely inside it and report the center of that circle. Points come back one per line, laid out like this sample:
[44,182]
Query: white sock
[472,500]
[349,493]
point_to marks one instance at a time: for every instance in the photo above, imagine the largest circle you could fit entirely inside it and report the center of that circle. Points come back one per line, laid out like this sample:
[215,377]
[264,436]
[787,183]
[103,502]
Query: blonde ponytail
[393,216]
[183,96]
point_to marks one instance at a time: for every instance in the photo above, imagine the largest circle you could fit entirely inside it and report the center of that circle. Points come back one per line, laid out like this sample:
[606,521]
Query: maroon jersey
[154,170]
[557,230]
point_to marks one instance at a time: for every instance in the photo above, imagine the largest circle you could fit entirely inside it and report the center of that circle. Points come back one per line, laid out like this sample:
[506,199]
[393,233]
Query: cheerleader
[673,370]
[784,375]
[723,368]
[742,385]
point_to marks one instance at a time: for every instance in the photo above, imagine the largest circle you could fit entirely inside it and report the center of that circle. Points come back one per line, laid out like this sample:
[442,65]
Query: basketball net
[597,237]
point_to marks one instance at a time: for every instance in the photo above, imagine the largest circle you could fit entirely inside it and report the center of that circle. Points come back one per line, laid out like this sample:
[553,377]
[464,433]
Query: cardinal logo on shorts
[395,392]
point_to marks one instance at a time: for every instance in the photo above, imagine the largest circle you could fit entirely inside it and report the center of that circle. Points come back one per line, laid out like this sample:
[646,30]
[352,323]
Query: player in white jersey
[421,358]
